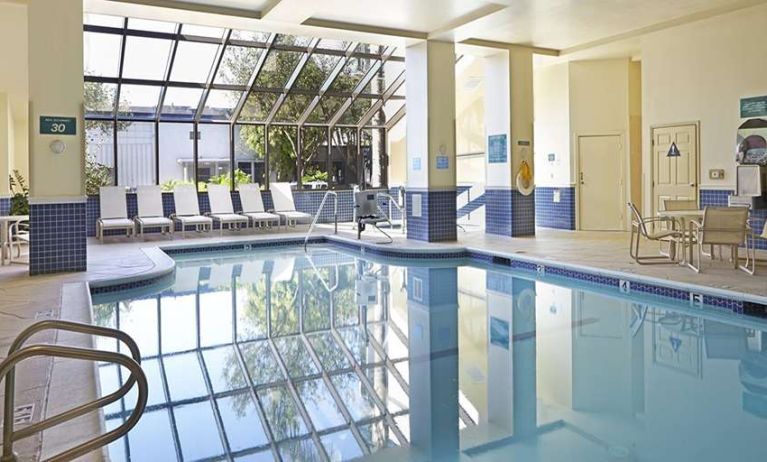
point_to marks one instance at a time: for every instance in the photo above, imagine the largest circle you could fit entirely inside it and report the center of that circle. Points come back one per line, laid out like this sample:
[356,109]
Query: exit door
[601,205]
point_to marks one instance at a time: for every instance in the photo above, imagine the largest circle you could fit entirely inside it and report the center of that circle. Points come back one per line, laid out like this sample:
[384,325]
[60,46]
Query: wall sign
[51,125]
[753,107]
[497,149]
[416,164]
[443,162]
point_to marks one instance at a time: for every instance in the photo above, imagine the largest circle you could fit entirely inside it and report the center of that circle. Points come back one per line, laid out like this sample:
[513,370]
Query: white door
[601,204]
[674,177]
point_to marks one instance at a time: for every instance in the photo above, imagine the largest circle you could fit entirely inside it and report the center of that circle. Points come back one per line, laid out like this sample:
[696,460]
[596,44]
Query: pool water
[282,355]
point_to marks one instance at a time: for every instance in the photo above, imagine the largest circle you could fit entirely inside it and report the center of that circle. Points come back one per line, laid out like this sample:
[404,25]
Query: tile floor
[25,299]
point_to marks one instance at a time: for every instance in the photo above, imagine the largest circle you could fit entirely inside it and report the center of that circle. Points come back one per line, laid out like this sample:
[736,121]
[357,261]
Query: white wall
[552,125]
[699,72]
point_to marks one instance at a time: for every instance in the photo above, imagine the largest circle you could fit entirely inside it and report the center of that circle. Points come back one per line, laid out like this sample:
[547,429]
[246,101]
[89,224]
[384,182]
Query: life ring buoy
[525,179]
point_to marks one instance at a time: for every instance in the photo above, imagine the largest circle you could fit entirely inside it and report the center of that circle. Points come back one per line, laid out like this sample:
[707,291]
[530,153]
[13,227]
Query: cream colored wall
[21,145]
[397,154]
[699,72]
[635,130]
[6,143]
[55,88]
[551,91]
[14,84]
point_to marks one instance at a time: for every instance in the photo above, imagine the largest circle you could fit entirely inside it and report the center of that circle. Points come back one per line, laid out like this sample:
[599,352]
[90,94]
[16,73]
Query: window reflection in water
[277,357]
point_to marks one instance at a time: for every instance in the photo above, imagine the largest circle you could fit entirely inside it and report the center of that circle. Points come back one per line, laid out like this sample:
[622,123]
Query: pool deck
[53,386]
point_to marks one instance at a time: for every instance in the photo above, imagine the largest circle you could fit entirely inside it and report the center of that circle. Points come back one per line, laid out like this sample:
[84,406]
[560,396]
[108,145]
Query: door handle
[692,185]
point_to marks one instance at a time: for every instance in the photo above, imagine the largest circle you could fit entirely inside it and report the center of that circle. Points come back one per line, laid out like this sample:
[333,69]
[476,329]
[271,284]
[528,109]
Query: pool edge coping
[163,264]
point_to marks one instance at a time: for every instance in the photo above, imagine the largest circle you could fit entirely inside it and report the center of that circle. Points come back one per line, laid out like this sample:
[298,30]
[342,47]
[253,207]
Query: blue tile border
[556,215]
[57,238]
[719,198]
[695,296]
[509,213]
[5,206]
[437,222]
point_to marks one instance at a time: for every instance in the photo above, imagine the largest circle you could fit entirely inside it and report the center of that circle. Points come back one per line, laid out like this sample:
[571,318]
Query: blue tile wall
[306,201]
[57,238]
[433,282]
[437,222]
[5,206]
[509,213]
[718,198]
[557,215]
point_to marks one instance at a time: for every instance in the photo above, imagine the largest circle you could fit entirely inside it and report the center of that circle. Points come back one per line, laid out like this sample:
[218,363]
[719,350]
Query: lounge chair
[18,235]
[188,210]
[113,212]
[721,226]
[282,197]
[222,210]
[639,231]
[150,211]
[253,206]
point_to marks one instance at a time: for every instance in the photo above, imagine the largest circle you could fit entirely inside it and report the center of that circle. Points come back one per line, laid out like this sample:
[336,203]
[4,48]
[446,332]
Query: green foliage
[20,194]
[170,185]
[312,173]
[283,141]
[96,175]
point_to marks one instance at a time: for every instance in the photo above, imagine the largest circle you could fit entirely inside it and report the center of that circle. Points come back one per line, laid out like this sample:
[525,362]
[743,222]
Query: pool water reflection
[282,356]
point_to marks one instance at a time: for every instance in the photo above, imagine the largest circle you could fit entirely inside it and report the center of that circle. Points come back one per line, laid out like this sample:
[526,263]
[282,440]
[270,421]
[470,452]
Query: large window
[170,103]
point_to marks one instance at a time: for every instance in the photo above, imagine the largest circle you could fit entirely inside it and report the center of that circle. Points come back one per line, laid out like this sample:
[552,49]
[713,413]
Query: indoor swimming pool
[277,354]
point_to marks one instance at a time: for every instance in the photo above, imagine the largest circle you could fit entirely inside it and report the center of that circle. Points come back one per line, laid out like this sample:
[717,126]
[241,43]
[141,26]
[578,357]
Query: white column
[431,141]
[57,189]
[509,133]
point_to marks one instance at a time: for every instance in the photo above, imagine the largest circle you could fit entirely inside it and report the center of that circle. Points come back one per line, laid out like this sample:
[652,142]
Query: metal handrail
[391,201]
[317,216]
[17,354]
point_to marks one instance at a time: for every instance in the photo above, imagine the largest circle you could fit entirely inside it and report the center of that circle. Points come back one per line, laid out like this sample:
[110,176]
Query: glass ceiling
[137,69]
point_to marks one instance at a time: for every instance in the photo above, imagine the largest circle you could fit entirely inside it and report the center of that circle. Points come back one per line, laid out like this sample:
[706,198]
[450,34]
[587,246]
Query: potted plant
[20,194]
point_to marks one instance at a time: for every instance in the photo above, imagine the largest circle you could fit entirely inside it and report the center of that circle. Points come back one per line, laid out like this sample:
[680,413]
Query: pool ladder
[18,352]
[317,217]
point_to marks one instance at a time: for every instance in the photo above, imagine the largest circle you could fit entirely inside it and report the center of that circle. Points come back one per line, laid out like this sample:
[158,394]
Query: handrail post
[317,216]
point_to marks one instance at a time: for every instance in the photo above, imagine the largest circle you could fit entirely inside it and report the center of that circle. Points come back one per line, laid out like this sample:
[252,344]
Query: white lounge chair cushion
[262,216]
[149,199]
[250,197]
[282,197]
[294,216]
[185,199]
[112,202]
[229,218]
[110,223]
[154,221]
[194,220]
[220,199]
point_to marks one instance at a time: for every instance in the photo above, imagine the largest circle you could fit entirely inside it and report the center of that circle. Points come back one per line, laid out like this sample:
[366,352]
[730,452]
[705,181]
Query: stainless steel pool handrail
[391,201]
[17,354]
[319,211]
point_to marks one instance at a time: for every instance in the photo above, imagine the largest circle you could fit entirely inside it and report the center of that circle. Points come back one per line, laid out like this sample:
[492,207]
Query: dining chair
[680,204]
[721,226]
[750,265]
[640,231]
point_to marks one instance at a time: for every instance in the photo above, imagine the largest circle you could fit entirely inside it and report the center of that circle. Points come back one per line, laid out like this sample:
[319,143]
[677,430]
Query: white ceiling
[557,24]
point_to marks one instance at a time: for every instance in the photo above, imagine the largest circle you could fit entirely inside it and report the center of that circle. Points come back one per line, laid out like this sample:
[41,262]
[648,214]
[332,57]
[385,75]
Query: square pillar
[512,376]
[433,345]
[509,210]
[430,191]
[6,152]
[56,161]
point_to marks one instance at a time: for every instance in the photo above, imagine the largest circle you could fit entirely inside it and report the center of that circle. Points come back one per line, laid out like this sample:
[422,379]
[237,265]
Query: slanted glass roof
[139,69]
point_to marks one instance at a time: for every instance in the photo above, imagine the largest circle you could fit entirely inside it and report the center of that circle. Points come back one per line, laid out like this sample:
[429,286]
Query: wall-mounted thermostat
[716,174]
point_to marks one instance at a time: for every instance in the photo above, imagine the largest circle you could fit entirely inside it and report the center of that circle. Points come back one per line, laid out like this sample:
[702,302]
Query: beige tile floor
[48,384]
